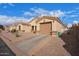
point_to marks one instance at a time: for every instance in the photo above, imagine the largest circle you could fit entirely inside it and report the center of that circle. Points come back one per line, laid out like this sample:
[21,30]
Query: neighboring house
[25,27]
[20,26]
[47,24]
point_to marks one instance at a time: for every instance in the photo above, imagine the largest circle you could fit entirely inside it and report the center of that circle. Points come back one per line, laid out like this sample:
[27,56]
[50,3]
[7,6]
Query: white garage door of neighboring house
[46,27]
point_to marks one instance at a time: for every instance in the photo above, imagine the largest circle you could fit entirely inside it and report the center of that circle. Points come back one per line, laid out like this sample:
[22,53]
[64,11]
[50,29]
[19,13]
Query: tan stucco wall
[12,27]
[26,28]
[17,27]
[56,26]
[32,23]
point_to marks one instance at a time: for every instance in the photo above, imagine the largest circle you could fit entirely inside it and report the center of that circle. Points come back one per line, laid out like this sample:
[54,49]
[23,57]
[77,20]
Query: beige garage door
[46,27]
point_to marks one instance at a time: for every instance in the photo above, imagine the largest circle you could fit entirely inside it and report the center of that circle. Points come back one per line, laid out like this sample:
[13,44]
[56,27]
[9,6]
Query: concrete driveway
[28,44]
[43,45]
[36,44]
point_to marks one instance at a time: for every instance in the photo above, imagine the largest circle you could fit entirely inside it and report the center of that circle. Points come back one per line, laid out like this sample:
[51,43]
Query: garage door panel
[45,28]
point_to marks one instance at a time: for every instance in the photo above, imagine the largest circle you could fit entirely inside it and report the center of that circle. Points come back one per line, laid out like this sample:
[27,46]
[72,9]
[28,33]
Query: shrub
[17,34]
[2,27]
[13,30]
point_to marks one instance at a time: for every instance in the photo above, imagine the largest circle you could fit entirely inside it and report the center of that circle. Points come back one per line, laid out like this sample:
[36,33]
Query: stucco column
[53,26]
[34,26]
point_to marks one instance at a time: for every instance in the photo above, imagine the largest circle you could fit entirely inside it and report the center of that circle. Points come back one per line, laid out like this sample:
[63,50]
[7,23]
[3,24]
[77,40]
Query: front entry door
[34,29]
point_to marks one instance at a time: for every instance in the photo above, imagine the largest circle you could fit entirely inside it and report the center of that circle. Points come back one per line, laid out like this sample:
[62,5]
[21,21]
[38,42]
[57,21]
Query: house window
[32,27]
[19,27]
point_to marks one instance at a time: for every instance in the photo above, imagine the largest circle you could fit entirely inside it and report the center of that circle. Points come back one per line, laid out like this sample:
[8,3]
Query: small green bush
[59,34]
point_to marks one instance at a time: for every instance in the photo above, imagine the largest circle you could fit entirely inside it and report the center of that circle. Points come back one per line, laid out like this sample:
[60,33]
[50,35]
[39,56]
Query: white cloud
[73,15]
[71,11]
[8,19]
[75,22]
[5,6]
[44,12]
[57,13]
[11,4]
[28,14]
[39,10]
[69,25]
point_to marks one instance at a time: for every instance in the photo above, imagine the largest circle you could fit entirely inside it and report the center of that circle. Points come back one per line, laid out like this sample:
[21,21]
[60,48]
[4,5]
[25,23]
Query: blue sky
[11,12]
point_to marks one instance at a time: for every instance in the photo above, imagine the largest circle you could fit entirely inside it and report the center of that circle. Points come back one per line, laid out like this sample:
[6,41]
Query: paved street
[5,50]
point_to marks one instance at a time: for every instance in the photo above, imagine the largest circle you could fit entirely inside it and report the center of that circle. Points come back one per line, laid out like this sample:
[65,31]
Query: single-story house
[20,26]
[47,24]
